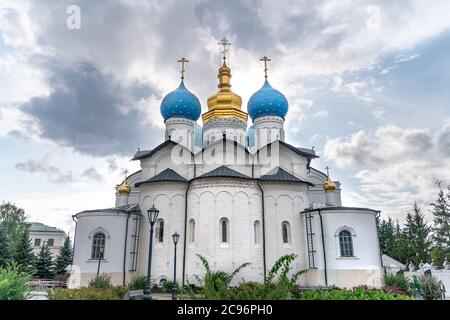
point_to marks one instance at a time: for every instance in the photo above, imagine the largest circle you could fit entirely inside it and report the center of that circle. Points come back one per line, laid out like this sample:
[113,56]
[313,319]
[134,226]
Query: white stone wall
[44,237]
[112,224]
[268,129]
[365,267]
[211,135]
[238,201]
[181,130]
[169,198]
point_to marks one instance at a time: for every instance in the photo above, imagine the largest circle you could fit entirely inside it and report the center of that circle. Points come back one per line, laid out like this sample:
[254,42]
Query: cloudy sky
[367,84]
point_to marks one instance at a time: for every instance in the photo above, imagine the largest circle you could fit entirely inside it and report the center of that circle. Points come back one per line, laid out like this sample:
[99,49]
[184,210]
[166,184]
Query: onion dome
[267,101]
[181,103]
[329,185]
[124,188]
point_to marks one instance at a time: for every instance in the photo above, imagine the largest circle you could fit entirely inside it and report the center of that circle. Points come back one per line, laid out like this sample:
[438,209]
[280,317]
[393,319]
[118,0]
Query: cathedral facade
[234,194]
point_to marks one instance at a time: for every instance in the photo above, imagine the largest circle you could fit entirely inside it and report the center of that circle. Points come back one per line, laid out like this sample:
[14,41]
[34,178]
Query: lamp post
[152,216]
[100,257]
[175,238]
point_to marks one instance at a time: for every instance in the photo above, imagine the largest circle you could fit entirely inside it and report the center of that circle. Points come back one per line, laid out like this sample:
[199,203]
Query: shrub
[13,284]
[396,283]
[103,281]
[88,293]
[167,286]
[138,282]
[248,291]
[430,287]
[357,293]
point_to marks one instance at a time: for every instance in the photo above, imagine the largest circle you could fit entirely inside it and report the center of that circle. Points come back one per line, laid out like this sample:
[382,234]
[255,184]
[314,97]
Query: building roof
[166,175]
[129,208]
[224,171]
[309,153]
[390,262]
[339,209]
[280,174]
[40,227]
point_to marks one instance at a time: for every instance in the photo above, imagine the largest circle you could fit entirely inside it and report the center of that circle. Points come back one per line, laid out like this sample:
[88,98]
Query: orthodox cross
[125,173]
[265,59]
[328,170]
[183,60]
[224,42]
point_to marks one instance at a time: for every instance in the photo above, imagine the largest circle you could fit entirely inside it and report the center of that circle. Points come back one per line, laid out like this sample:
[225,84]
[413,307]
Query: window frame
[286,225]
[95,246]
[346,244]
[224,222]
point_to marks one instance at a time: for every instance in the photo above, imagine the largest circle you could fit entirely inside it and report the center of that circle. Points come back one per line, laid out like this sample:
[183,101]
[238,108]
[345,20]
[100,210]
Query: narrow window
[192,230]
[224,230]
[160,230]
[98,246]
[51,242]
[285,232]
[37,242]
[256,231]
[346,243]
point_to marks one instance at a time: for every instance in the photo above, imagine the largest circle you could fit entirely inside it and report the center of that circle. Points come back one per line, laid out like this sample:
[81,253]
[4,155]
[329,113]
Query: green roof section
[40,227]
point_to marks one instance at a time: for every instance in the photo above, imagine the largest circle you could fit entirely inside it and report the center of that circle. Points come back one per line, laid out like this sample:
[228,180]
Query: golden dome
[329,185]
[124,188]
[225,103]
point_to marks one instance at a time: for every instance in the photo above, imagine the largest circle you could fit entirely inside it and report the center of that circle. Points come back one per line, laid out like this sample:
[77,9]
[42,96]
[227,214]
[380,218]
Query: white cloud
[396,165]
[321,114]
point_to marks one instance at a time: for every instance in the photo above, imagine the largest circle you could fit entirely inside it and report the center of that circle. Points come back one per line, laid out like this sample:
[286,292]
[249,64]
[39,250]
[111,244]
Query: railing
[41,284]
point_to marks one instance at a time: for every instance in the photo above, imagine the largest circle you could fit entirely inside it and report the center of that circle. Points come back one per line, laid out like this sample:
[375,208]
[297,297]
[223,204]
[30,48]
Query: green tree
[401,248]
[44,264]
[387,236]
[4,248]
[64,258]
[12,220]
[24,256]
[441,226]
[418,236]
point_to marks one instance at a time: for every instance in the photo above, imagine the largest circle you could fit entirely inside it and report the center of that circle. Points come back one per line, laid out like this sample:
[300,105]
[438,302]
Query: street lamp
[175,238]
[100,257]
[152,216]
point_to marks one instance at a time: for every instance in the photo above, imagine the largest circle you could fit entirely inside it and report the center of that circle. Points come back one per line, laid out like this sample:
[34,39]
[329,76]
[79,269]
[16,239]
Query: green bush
[88,293]
[167,286]
[397,283]
[357,293]
[138,282]
[430,288]
[103,281]
[13,284]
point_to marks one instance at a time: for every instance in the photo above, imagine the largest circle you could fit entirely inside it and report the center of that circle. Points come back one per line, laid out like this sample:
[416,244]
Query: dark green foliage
[430,288]
[12,221]
[64,258]
[417,234]
[5,254]
[441,227]
[103,281]
[24,253]
[167,286]
[138,282]
[88,293]
[397,283]
[358,293]
[44,264]
[13,283]
[387,232]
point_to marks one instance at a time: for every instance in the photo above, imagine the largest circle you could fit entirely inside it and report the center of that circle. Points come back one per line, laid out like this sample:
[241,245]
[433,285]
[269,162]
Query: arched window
[98,246]
[224,230]
[285,232]
[257,232]
[160,230]
[191,231]
[346,243]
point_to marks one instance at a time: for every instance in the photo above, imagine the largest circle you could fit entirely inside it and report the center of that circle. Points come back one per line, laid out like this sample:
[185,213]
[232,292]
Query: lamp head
[175,237]
[152,214]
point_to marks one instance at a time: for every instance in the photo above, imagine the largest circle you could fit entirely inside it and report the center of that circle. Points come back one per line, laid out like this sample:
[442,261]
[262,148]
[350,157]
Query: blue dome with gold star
[181,103]
[267,102]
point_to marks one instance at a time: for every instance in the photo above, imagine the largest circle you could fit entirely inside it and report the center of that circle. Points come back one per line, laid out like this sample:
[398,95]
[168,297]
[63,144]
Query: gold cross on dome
[265,59]
[183,60]
[328,170]
[224,42]
[125,173]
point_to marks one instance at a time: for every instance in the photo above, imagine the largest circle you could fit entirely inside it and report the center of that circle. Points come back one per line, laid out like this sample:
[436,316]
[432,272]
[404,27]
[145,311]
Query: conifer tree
[4,248]
[441,227]
[24,256]
[44,264]
[418,238]
[387,237]
[64,258]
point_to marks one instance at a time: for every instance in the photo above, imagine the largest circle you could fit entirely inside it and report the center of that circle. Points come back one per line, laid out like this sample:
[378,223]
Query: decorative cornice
[225,122]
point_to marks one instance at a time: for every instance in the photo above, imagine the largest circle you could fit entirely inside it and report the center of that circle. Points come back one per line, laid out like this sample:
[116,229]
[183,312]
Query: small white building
[41,234]
[234,195]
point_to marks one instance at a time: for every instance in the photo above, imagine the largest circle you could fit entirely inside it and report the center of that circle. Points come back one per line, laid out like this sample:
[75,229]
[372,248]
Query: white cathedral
[234,195]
